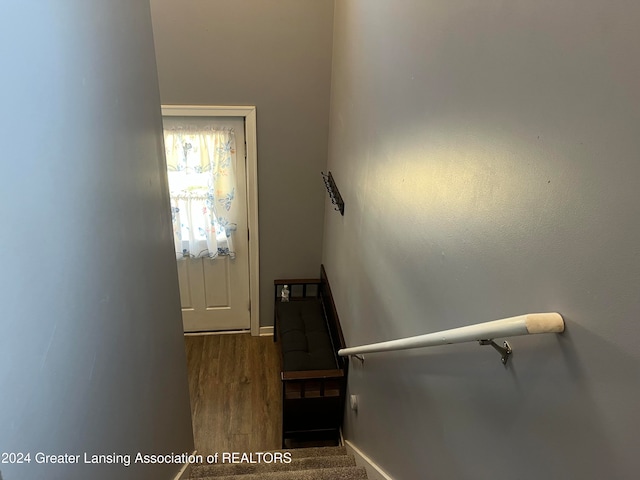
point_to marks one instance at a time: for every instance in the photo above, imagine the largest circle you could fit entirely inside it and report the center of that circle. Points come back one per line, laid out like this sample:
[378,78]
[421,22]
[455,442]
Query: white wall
[91,352]
[276,55]
[487,153]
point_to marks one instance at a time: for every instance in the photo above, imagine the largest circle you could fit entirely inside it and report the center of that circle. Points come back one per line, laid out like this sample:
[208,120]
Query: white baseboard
[374,472]
[215,332]
[185,471]
[266,331]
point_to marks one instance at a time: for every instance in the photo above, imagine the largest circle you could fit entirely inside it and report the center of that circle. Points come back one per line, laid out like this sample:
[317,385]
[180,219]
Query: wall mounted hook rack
[334,194]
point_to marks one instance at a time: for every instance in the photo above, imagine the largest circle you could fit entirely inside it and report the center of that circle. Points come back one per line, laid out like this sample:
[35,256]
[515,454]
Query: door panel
[216,284]
[184,283]
[214,293]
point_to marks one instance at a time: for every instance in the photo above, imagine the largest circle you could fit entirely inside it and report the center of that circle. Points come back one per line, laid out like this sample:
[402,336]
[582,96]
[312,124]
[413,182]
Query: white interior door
[215,293]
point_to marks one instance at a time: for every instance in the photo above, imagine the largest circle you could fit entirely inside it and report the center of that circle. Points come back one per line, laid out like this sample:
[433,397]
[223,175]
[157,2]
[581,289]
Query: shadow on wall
[460,407]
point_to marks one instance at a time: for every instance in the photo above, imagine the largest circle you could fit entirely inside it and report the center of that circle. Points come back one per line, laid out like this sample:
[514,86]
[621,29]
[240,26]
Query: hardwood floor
[234,383]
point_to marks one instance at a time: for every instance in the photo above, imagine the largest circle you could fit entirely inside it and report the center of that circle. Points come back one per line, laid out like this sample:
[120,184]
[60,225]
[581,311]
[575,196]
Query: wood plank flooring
[234,384]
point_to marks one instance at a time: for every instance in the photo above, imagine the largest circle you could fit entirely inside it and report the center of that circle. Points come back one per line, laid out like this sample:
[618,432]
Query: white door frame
[249,114]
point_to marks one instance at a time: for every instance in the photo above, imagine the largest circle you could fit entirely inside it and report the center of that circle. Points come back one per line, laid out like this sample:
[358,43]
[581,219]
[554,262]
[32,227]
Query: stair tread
[296,464]
[336,473]
[315,452]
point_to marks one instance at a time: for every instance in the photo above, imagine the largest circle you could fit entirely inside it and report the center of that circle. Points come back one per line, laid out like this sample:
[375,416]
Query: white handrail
[528,324]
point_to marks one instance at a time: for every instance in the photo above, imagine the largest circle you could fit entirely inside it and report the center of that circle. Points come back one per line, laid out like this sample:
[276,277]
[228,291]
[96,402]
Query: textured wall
[487,153]
[276,55]
[91,351]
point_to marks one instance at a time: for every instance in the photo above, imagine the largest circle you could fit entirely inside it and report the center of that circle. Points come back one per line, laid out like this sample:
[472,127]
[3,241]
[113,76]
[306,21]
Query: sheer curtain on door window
[202,183]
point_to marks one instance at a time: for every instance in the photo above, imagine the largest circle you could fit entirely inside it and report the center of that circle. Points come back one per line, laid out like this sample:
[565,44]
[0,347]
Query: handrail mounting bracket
[505,351]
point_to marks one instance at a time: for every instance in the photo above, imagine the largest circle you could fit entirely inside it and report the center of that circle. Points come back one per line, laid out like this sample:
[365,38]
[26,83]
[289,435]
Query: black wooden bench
[313,375]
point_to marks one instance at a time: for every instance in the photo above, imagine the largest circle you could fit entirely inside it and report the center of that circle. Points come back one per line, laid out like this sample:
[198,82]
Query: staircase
[322,463]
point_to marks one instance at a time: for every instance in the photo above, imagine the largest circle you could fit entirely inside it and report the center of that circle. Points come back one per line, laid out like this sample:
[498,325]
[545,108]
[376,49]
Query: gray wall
[91,352]
[276,55]
[488,154]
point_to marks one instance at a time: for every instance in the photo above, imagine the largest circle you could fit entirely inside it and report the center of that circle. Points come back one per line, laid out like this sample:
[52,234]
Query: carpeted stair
[323,463]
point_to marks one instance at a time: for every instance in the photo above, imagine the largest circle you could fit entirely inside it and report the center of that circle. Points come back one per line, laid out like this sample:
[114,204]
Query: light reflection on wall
[465,180]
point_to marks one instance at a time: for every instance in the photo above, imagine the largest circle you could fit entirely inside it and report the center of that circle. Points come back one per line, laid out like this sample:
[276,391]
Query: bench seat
[313,375]
[304,337]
